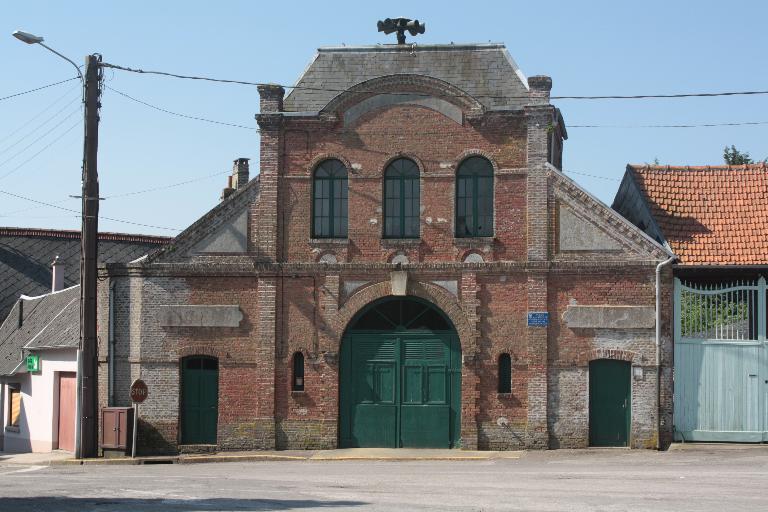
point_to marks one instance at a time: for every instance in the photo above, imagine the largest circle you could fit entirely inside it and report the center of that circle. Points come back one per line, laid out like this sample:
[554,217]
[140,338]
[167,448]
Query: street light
[28,38]
[86,432]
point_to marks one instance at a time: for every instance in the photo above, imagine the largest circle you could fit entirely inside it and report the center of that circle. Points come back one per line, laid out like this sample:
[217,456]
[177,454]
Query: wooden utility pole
[89,398]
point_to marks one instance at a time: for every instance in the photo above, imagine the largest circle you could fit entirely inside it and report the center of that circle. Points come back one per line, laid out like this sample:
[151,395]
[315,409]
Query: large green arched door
[400,381]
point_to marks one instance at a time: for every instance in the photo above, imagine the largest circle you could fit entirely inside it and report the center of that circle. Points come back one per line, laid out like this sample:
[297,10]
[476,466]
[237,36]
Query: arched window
[297,383]
[401,199]
[474,198]
[505,373]
[329,200]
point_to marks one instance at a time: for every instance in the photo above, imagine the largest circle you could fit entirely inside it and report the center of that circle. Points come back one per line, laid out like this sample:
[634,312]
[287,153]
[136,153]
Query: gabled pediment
[585,226]
[221,231]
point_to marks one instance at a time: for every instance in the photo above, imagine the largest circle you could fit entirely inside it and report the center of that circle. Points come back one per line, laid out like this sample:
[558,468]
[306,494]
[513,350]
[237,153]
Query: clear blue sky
[588,48]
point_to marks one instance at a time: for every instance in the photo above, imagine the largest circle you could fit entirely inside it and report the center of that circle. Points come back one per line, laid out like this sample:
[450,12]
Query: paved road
[699,480]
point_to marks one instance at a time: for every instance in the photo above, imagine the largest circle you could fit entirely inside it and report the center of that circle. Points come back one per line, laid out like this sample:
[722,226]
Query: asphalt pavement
[692,478]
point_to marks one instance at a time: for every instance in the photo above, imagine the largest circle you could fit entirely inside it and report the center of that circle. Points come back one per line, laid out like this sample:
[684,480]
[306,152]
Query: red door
[67,390]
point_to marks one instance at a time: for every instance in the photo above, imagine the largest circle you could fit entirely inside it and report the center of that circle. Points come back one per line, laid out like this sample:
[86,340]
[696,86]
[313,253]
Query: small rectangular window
[14,409]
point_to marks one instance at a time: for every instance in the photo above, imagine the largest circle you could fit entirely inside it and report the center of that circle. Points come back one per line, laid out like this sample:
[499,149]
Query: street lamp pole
[86,444]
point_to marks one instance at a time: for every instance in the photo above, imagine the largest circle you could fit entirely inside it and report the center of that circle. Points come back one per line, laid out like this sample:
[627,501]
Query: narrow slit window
[298,372]
[505,373]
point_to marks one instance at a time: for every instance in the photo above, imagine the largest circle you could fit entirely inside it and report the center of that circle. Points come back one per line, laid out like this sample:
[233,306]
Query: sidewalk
[377,454]
[34,459]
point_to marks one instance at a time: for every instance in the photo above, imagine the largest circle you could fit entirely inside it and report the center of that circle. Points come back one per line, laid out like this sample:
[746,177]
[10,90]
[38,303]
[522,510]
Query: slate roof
[711,215]
[485,71]
[48,321]
[26,255]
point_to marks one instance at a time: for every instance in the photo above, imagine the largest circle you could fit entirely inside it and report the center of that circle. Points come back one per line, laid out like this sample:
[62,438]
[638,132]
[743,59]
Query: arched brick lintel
[612,353]
[197,349]
[437,295]
[403,83]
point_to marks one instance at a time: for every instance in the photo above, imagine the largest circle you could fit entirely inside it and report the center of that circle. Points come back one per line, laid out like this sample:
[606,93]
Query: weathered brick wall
[571,350]
[503,417]
[438,145]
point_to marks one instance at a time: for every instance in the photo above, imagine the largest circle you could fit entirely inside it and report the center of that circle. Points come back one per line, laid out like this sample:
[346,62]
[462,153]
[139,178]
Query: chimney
[240,173]
[57,283]
[228,190]
[539,88]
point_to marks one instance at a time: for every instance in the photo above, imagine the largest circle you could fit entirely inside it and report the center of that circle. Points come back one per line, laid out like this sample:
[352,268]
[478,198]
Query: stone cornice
[248,266]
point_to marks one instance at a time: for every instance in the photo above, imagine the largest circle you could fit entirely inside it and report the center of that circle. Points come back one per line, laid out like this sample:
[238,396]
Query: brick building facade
[263,303]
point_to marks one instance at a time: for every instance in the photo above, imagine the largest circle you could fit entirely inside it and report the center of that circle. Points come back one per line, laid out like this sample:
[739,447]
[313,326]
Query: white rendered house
[38,372]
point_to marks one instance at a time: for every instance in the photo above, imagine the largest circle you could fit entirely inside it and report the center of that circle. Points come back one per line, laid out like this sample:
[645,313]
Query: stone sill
[400,242]
[473,241]
[298,394]
[12,428]
[329,241]
[504,396]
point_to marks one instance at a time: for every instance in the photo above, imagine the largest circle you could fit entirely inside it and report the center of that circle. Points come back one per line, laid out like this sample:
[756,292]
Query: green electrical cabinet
[610,402]
[400,383]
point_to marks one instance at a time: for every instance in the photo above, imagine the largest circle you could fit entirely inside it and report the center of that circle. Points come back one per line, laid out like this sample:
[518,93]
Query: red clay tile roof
[713,215]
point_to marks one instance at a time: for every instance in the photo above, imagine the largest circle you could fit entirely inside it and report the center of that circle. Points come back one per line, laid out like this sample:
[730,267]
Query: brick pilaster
[265,348]
[538,435]
[538,115]
[264,239]
[328,302]
[470,379]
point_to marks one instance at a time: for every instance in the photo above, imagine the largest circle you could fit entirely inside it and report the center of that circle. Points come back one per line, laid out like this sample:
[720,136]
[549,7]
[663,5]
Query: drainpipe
[658,346]
[111,345]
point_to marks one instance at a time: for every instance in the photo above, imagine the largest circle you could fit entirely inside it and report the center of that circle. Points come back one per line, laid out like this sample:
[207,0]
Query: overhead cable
[165,187]
[73,112]
[29,121]
[304,87]
[186,116]
[54,141]
[37,89]
[11,194]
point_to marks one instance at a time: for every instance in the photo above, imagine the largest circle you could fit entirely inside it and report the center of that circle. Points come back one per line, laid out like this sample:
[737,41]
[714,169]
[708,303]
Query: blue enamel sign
[538,319]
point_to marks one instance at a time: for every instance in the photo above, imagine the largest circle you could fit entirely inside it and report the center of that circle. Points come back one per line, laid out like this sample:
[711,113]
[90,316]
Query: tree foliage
[733,156]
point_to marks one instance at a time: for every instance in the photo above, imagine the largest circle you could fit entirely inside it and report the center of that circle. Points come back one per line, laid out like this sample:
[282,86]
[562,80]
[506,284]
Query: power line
[186,116]
[21,210]
[54,141]
[165,187]
[33,118]
[591,175]
[325,89]
[441,134]
[37,89]
[702,125]
[51,205]
[40,137]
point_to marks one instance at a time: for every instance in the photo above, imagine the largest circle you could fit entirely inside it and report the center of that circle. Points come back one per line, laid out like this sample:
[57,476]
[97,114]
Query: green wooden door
[200,400]
[609,402]
[400,378]
[399,391]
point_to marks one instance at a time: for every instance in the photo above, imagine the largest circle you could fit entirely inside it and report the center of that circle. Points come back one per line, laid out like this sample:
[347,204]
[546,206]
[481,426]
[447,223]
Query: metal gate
[721,369]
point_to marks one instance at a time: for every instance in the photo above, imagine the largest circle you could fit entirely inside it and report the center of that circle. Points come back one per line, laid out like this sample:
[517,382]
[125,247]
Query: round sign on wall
[139,391]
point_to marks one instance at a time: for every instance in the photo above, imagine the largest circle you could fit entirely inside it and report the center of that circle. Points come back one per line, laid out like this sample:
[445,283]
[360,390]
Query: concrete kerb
[353,454]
